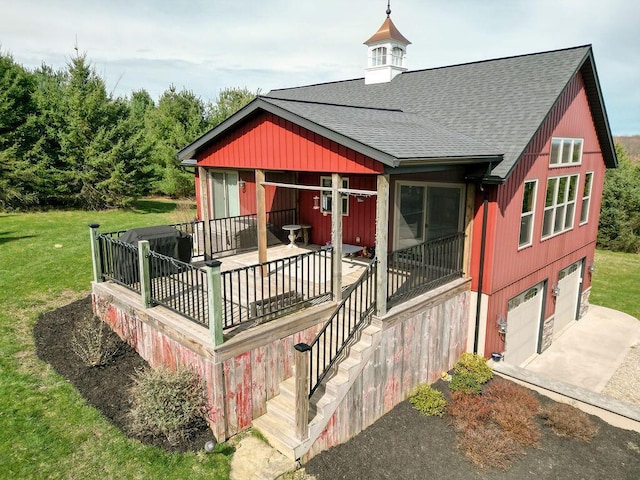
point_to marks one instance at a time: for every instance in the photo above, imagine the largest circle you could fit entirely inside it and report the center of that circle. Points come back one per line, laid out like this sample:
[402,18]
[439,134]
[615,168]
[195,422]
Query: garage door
[523,325]
[569,282]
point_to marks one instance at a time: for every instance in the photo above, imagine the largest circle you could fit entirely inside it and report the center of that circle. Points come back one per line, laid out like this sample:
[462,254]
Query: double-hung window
[326,196]
[565,152]
[526,216]
[586,198]
[560,205]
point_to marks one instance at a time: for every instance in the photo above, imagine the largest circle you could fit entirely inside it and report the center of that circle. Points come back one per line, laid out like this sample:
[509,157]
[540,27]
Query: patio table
[293,233]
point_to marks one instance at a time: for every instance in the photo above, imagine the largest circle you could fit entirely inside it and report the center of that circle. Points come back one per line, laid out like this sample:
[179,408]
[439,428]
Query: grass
[616,281]
[46,429]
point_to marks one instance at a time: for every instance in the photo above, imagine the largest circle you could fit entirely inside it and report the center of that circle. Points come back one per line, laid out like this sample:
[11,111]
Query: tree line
[66,142]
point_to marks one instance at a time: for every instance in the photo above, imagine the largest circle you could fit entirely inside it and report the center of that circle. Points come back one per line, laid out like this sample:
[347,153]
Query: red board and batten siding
[269,142]
[509,271]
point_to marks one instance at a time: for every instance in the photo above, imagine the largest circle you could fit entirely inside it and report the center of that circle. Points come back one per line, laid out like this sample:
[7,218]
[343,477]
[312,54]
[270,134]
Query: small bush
[500,390]
[465,383]
[516,423]
[167,403]
[468,411]
[487,447]
[94,342]
[428,401]
[473,365]
[568,421]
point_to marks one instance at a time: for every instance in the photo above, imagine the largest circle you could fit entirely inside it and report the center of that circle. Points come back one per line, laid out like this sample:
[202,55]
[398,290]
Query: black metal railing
[119,262]
[240,233]
[264,291]
[423,267]
[354,310]
[179,286]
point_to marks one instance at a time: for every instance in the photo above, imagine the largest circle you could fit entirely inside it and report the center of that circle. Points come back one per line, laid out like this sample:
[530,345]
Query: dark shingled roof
[487,110]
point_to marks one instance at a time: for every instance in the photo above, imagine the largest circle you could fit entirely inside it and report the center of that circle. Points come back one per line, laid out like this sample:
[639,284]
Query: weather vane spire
[388,8]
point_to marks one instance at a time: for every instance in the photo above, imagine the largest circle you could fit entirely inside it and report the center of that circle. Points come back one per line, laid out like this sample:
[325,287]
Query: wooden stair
[278,424]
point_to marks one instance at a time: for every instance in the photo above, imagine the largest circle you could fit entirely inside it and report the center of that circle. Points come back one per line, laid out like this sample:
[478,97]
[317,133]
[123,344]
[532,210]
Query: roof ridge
[509,57]
[267,98]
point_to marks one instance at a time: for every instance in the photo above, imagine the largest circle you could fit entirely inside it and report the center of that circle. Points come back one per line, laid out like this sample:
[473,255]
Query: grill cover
[164,240]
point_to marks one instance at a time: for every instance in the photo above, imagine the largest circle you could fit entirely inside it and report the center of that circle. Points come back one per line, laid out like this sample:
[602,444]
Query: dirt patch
[105,388]
[405,444]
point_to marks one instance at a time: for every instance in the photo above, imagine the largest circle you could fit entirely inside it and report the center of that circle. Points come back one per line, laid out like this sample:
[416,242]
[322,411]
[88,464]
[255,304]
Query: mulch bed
[107,387]
[403,444]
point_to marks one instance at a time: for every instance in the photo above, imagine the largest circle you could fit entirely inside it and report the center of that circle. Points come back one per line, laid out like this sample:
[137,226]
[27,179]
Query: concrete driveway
[590,351]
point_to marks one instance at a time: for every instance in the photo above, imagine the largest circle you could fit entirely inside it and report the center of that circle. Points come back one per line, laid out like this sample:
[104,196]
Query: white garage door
[569,281]
[523,325]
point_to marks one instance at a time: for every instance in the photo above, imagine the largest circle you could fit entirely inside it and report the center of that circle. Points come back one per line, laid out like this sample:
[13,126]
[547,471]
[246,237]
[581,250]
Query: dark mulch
[406,445]
[401,445]
[105,388]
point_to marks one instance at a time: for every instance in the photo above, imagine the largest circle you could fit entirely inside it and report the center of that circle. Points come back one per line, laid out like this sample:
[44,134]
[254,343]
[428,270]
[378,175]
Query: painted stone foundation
[584,303]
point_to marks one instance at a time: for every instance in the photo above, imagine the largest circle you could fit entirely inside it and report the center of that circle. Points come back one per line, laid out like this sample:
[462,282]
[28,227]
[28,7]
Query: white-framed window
[325,204]
[565,151]
[526,215]
[379,56]
[586,197]
[560,205]
[397,55]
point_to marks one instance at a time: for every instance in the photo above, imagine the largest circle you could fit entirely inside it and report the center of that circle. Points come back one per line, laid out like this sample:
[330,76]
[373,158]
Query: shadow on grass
[155,206]
[5,238]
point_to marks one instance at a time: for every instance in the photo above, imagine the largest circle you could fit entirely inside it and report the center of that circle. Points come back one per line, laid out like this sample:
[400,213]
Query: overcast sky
[205,46]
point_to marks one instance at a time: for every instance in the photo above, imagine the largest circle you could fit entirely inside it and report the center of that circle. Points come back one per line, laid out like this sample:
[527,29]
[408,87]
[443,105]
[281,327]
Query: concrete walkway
[591,350]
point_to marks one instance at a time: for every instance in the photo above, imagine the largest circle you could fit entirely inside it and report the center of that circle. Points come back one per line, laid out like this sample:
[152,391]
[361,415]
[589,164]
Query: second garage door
[569,282]
[523,325]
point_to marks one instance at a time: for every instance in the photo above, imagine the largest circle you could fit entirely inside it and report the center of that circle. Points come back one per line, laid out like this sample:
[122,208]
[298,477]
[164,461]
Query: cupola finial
[388,8]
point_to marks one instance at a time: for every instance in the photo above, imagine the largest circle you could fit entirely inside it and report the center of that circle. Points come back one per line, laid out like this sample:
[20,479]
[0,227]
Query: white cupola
[386,53]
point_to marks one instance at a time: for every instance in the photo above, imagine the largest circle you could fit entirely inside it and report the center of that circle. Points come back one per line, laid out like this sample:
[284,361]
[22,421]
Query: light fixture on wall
[555,290]
[592,267]
[242,185]
[360,198]
[502,325]
[316,202]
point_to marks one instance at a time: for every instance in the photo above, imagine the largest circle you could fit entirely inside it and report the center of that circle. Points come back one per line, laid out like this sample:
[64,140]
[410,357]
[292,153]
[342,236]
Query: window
[586,198]
[379,56]
[560,205]
[565,151]
[526,216]
[326,196]
[396,56]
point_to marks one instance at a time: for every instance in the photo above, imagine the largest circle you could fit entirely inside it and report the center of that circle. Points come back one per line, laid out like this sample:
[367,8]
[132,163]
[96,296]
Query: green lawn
[46,429]
[616,281]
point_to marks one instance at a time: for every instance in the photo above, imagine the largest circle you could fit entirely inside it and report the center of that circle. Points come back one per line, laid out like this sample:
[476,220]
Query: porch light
[242,185]
[502,325]
[360,198]
[316,202]
[555,290]
[592,267]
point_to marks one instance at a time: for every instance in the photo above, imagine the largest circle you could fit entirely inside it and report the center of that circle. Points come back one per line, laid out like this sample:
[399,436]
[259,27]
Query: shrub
[487,447]
[474,365]
[568,421]
[428,401]
[516,423]
[468,411]
[167,403]
[465,383]
[500,390]
[94,342]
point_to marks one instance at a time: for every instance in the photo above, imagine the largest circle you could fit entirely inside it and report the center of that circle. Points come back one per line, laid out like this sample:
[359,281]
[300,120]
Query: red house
[464,198]
[521,142]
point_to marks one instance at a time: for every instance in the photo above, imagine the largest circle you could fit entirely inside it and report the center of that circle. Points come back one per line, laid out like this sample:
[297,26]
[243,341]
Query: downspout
[483,241]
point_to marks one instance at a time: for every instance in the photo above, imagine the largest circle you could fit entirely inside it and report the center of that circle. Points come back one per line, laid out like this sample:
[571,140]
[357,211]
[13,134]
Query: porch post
[336,235]
[302,352]
[262,217]
[144,272]
[468,231]
[95,252]
[382,242]
[204,212]
[214,300]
